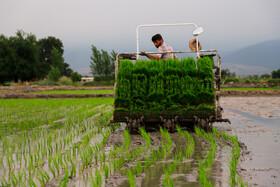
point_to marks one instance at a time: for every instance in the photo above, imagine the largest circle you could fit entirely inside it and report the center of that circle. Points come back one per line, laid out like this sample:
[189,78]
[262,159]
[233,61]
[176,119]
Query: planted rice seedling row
[46,114]
[235,179]
[55,147]
[207,162]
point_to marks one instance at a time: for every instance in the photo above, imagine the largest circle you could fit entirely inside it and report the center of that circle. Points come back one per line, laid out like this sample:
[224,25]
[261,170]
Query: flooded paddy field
[66,142]
[256,122]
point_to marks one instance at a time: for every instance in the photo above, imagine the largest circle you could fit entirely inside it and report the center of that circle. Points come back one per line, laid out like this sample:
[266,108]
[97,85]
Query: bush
[47,83]
[232,79]
[65,81]
[7,83]
[100,83]
[54,74]
[76,77]
[103,78]
[274,81]
[275,74]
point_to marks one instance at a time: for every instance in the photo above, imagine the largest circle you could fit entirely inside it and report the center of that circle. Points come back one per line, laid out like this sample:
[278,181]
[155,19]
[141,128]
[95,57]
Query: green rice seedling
[139,168]
[43,177]
[83,163]
[13,178]
[137,153]
[20,175]
[232,166]
[145,136]
[175,162]
[106,171]
[210,157]
[31,182]
[143,149]
[147,162]
[131,178]
[128,156]
[30,168]
[65,180]
[93,181]
[96,157]
[202,175]
[98,177]
[73,171]
[163,151]
[234,178]
[167,181]
[126,140]
[9,162]
[115,164]
[153,157]
[189,151]
[180,157]
[178,128]
[51,166]
[4,182]
[2,160]
[103,157]
[236,146]
[55,161]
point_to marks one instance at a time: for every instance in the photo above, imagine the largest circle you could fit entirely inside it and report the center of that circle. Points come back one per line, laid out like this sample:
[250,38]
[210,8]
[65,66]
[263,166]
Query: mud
[184,175]
[7,92]
[256,122]
[250,93]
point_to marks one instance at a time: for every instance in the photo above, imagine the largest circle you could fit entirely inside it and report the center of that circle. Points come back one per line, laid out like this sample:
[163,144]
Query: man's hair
[156,37]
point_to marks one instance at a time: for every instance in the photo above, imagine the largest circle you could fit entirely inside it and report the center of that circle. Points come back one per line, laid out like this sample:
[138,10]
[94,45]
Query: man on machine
[162,47]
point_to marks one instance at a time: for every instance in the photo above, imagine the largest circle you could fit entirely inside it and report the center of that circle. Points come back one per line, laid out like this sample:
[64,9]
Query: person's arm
[143,53]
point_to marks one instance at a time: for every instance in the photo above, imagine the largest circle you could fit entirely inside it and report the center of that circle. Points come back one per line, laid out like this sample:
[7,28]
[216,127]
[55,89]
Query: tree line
[102,65]
[275,74]
[24,58]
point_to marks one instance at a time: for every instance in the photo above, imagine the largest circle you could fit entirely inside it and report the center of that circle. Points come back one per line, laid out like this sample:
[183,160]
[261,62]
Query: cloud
[109,24]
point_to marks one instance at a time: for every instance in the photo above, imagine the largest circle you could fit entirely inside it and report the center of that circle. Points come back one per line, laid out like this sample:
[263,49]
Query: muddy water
[185,174]
[256,122]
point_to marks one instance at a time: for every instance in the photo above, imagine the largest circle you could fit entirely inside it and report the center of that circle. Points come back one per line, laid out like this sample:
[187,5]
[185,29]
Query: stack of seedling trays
[170,88]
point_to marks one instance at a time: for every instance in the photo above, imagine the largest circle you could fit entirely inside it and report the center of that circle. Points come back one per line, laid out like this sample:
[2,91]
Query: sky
[111,25]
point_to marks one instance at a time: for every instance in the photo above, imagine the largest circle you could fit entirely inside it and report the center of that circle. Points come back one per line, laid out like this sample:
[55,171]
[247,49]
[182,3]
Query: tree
[57,59]
[265,76]
[76,77]
[24,56]
[7,57]
[225,73]
[54,74]
[275,74]
[102,64]
[67,70]
[46,47]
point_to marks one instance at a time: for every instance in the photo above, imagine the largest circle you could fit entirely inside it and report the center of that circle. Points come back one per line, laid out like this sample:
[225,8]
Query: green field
[58,142]
[75,92]
[40,139]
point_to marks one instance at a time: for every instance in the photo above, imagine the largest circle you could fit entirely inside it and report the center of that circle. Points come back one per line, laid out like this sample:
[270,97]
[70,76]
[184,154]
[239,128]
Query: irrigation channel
[68,142]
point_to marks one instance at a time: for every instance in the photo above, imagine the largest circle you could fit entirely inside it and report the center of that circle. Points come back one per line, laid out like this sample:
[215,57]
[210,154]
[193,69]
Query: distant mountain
[256,59]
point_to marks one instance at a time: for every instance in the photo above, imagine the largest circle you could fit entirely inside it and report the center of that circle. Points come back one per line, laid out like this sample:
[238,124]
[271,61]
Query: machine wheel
[133,125]
[204,123]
